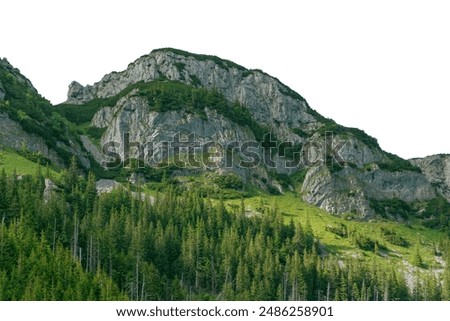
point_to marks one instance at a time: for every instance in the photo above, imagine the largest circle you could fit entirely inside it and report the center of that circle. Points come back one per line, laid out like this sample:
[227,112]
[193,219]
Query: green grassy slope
[396,242]
[10,161]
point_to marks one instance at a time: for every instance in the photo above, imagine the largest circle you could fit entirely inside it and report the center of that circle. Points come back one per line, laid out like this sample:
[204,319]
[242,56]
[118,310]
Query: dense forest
[77,245]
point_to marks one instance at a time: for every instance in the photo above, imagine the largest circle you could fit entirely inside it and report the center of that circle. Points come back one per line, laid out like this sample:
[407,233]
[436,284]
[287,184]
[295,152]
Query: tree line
[77,245]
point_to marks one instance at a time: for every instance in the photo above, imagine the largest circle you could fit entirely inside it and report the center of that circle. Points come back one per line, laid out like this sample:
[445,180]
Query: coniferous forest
[77,245]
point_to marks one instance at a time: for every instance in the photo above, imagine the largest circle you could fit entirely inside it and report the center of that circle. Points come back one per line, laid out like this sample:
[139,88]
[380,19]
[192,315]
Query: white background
[382,66]
[106,311]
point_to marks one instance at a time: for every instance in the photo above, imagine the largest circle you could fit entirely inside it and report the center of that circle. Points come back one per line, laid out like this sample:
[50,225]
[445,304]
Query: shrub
[392,206]
[230,181]
[225,64]
[397,164]
[95,132]
[180,66]
[392,237]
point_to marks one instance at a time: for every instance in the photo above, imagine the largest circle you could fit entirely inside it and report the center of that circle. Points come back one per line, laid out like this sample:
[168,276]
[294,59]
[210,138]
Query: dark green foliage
[229,181]
[392,207]
[339,229]
[417,258]
[365,243]
[272,190]
[284,179]
[180,66]
[65,154]
[225,64]
[285,90]
[247,73]
[32,270]
[35,157]
[347,132]
[361,241]
[397,164]
[84,246]
[299,177]
[436,213]
[222,193]
[34,113]
[35,264]
[20,96]
[195,81]
[95,132]
[300,132]
[392,237]
[333,166]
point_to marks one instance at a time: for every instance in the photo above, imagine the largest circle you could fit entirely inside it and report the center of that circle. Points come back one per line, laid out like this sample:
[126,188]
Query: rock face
[437,170]
[12,135]
[272,106]
[350,190]
[78,94]
[269,101]
[49,188]
[106,185]
[2,92]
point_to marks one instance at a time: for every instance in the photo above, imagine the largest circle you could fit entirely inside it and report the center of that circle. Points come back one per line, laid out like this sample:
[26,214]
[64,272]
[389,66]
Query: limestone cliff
[28,121]
[437,170]
[369,173]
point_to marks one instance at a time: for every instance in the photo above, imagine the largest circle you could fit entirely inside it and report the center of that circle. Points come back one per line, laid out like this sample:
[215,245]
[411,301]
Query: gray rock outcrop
[2,92]
[106,185]
[13,136]
[351,189]
[273,106]
[269,101]
[50,186]
[437,170]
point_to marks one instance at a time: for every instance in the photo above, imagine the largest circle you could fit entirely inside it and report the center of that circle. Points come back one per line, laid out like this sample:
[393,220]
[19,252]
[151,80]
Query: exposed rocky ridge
[350,190]
[2,91]
[274,107]
[268,100]
[132,115]
[12,135]
[437,171]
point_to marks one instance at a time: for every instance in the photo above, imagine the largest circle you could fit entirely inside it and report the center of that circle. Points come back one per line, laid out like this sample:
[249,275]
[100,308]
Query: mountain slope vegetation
[182,246]
[374,228]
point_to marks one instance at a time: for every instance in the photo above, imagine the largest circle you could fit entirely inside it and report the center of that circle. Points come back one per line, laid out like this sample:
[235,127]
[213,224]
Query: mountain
[171,91]
[188,177]
[30,125]
[170,103]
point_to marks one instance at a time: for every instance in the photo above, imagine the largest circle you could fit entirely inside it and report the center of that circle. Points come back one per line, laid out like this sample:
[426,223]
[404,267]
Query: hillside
[29,124]
[221,183]
[206,100]
[183,246]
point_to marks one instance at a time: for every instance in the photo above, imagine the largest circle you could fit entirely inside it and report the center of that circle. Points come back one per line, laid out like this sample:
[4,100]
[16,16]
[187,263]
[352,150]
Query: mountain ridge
[371,174]
[133,219]
[235,104]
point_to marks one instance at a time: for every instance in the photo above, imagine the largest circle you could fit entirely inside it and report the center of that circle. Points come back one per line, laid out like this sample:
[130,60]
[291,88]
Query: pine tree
[4,201]
[417,258]
[90,193]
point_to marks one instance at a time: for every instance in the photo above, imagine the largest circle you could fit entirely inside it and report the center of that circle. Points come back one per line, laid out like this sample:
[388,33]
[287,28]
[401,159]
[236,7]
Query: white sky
[382,66]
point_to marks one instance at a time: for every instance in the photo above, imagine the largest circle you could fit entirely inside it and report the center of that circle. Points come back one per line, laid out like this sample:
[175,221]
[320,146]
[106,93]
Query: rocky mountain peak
[133,108]
[268,100]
